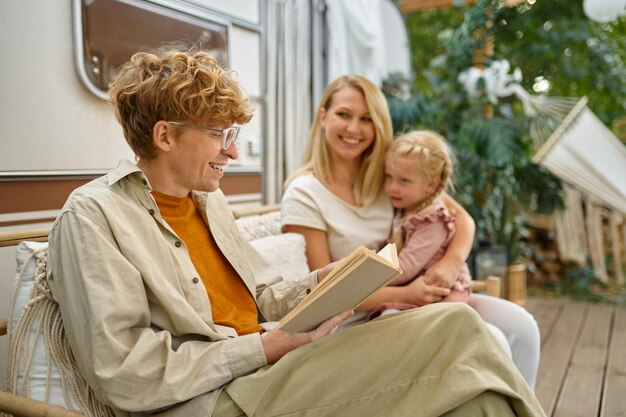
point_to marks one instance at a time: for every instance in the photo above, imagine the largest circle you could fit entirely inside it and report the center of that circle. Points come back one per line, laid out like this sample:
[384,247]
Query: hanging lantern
[603,11]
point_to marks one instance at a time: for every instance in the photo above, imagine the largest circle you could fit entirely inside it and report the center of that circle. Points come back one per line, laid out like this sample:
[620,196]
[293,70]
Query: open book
[355,278]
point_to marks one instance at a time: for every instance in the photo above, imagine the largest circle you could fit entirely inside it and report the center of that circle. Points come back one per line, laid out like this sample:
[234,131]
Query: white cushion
[285,253]
[260,225]
[37,374]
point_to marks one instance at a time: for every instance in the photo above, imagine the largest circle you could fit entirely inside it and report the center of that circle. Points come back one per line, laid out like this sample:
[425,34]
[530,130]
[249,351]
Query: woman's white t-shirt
[307,202]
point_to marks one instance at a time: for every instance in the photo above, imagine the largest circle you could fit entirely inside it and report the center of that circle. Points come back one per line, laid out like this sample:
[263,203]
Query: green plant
[496,181]
[407,110]
[550,40]
[554,40]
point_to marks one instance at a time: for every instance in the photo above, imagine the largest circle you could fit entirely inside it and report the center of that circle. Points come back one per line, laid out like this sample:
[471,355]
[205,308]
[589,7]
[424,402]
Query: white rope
[17,334]
[616,219]
[595,239]
[42,314]
[546,114]
[570,235]
[624,233]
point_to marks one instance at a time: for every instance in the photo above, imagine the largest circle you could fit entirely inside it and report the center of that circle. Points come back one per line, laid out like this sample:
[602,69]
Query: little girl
[418,168]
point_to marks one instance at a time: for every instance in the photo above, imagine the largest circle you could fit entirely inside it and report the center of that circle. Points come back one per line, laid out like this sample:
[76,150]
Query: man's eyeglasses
[228,135]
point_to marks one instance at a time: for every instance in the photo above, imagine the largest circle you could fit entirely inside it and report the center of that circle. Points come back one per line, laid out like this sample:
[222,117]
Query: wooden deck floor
[583,358]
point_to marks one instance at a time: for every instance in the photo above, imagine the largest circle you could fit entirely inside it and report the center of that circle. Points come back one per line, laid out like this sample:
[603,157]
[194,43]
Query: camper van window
[109,32]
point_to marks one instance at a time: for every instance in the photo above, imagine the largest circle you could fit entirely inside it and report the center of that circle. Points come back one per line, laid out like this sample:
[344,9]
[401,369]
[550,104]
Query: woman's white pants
[516,330]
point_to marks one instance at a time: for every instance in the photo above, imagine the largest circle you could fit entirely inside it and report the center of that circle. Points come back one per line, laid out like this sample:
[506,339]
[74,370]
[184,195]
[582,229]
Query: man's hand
[321,273]
[277,343]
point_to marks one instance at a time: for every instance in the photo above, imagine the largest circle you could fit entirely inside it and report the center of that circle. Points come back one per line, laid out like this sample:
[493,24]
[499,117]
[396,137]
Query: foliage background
[548,40]
[552,39]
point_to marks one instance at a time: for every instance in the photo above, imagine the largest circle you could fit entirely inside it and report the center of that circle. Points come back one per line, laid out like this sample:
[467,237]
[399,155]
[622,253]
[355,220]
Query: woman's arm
[317,251]
[446,270]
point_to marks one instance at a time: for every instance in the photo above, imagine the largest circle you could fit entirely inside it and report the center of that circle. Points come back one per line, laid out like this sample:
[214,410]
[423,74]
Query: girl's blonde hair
[432,156]
[316,159]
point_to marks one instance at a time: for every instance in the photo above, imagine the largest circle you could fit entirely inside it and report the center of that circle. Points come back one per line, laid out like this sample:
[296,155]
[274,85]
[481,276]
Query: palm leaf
[496,141]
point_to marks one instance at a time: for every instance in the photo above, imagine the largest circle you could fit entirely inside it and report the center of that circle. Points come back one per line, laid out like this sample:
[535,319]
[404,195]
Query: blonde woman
[336,200]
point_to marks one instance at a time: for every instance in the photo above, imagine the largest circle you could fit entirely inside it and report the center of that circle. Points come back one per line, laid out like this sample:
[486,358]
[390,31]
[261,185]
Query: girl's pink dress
[427,236]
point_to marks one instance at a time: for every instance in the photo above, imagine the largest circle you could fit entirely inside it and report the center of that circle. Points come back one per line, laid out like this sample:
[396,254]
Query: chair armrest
[25,407]
[491,286]
[13,238]
[257,210]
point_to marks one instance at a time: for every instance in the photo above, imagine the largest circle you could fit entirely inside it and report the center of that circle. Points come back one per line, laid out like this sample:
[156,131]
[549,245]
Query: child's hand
[442,274]
[420,293]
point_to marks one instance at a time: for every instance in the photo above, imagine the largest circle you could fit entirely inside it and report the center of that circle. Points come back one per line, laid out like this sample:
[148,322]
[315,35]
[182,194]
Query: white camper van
[58,132]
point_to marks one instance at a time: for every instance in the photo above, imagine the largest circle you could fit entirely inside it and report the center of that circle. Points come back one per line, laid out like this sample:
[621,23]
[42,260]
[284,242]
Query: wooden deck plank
[582,388]
[556,354]
[614,397]
[546,313]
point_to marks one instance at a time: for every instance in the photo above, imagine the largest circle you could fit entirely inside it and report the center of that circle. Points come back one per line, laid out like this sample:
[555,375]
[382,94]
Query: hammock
[585,153]
[570,140]
[576,146]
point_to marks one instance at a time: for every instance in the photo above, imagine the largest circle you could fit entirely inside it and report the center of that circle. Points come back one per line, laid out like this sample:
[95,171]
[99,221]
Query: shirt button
[177,244]
[308,291]
[195,280]
[151,211]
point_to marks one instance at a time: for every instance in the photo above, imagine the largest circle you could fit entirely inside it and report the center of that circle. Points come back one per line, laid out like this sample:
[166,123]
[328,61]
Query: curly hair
[174,85]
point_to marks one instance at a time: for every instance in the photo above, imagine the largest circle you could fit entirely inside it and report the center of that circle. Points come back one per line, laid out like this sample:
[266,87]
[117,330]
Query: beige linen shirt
[136,314]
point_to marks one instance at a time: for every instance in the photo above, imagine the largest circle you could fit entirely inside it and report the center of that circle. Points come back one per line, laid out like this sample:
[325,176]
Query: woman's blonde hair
[316,159]
[432,156]
[174,85]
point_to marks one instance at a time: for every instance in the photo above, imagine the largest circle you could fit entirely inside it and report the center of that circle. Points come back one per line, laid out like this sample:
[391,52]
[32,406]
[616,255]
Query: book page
[354,279]
[390,253]
[342,268]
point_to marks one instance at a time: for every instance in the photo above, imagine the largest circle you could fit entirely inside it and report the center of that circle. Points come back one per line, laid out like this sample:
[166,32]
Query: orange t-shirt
[231,303]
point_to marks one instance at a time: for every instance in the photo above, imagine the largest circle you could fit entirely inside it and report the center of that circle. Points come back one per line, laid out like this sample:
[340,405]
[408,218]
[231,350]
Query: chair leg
[494,286]
[516,284]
